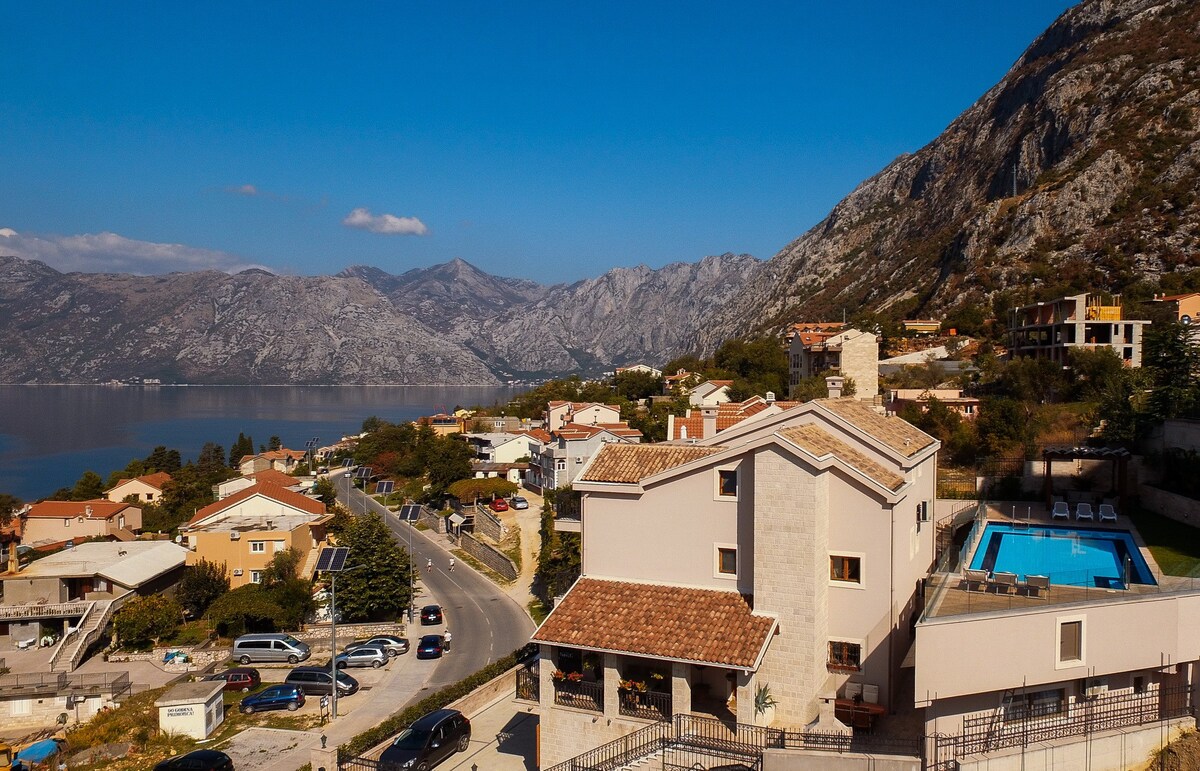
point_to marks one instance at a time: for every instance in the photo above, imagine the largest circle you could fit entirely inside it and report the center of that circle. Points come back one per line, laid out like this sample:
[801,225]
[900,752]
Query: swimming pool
[1071,556]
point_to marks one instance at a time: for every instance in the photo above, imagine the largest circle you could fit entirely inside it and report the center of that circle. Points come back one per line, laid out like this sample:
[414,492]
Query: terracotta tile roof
[274,476]
[729,414]
[281,454]
[539,434]
[100,509]
[631,463]
[819,442]
[267,489]
[155,480]
[897,433]
[701,625]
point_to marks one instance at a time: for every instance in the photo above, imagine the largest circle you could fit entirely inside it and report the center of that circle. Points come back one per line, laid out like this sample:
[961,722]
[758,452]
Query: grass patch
[191,633]
[537,611]
[511,546]
[421,526]
[1175,546]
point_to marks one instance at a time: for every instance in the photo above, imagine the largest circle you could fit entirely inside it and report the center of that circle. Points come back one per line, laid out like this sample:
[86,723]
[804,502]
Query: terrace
[965,583]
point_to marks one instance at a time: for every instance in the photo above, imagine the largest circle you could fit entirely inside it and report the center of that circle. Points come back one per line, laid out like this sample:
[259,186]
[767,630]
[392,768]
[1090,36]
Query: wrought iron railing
[529,686]
[611,756]
[579,694]
[646,705]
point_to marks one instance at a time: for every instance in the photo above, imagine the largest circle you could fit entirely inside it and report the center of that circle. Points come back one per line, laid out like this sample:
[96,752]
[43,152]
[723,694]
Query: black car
[431,614]
[429,740]
[431,646]
[199,760]
[317,681]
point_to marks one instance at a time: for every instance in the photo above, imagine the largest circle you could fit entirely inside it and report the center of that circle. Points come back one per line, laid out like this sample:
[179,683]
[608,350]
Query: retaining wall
[1108,751]
[1178,507]
[487,523]
[489,555]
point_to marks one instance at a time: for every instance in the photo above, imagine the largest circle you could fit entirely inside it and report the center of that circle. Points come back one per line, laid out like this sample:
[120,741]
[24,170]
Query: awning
[702,626]
[457,519]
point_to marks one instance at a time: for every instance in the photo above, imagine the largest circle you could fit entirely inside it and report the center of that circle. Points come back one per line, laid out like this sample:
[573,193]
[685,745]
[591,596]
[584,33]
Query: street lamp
[332,560]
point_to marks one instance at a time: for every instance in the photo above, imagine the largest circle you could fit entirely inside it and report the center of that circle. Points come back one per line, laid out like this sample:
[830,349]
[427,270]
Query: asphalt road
[486,623]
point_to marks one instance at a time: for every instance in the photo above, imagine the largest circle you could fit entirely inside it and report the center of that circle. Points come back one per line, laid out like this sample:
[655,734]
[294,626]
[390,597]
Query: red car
[498,504]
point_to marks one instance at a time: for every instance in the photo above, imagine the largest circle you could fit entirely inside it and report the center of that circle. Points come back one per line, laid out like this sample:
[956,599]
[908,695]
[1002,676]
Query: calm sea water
[50,435]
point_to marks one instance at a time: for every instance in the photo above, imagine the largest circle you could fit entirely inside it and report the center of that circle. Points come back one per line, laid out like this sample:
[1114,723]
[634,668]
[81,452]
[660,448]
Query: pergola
[1119,457]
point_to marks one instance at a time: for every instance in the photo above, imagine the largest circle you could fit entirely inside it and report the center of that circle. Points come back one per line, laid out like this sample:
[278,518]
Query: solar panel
[347,462]
[332,559]
[409,512]
[312,442]
[385,487]
[364,472]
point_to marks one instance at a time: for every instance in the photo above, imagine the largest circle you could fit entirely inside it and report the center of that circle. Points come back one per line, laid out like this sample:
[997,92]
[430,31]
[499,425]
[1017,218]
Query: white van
[269,647]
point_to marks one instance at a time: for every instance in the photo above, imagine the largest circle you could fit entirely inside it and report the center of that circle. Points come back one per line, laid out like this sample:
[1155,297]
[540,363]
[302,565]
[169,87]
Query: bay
[51,434]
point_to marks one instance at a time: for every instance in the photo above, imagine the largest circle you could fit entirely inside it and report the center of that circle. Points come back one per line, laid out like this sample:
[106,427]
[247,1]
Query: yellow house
[148,488]
[247,529]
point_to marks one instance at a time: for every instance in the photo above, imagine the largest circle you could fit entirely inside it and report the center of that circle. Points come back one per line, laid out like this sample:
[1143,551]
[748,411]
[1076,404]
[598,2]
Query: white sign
[324,702]
[180,711]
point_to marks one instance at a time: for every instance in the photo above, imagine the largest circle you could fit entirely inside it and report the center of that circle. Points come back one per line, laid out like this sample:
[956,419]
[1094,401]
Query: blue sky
[549,141]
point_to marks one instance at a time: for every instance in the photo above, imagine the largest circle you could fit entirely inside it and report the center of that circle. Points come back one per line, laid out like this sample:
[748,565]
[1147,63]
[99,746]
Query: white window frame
[258,547]
[278,546]
[737,481]
[256,576]
[1059,622]
[717,572]
[862,571]
[20,707]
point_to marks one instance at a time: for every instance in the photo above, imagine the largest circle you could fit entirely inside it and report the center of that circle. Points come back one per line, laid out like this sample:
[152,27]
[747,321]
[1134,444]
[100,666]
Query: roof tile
[816,440]
[631,463]
[896,433]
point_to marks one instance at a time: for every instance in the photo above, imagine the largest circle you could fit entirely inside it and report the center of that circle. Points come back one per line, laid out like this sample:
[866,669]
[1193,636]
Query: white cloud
[385,224]
[242,190]
[111,253]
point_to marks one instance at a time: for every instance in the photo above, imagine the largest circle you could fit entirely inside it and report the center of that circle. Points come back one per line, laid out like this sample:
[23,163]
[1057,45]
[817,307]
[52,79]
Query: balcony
[579,695]
[645,705]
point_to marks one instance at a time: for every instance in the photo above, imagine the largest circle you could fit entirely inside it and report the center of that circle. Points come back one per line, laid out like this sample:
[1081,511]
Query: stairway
[310,564]
[71,648]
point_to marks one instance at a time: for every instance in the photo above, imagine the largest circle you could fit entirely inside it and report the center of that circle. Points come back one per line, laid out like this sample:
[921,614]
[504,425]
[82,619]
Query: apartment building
[558,462]
[1050,330]
[54,522]
[850,353]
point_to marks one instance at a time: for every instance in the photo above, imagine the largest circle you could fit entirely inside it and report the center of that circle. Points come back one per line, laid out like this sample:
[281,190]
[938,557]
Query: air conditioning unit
[1095,686]
[235,535]
[237,571]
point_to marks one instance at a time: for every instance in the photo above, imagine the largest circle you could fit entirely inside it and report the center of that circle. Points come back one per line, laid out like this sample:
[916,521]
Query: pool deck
[949,594]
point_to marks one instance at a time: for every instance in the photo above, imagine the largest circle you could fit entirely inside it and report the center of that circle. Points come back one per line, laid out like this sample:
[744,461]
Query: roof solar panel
[332,559]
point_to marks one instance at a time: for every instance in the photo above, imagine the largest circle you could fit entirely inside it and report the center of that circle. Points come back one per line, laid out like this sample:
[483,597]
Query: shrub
[146,620]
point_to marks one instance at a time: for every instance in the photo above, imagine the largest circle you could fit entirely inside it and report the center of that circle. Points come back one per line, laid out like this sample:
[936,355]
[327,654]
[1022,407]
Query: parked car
[431,646]
[363,656]
[395,646]
[518,502]
[431,614]
[289,697]
[498,504]
[429,740]
[317,681]
[244,679]
[270,647]
[198,760]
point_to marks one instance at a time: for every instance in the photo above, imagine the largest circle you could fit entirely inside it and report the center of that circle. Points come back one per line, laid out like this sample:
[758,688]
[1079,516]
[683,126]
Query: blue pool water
[1070,556]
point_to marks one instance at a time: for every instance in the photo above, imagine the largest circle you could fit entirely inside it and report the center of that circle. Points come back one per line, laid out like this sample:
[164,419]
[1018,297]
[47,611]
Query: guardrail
[43,610]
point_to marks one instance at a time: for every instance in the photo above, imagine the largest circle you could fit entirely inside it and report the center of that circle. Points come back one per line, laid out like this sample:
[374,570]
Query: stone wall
[320,632]
[198,658]
[489,555]
[434,521]
[1177,507]
[487,523]
[1108,751]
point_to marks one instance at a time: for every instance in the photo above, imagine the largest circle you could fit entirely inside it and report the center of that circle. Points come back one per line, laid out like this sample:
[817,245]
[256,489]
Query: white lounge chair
[25,644]
[1037,584]
[1107,513]
[977,577]
[1061,510]
[1004,581]
[1084,511]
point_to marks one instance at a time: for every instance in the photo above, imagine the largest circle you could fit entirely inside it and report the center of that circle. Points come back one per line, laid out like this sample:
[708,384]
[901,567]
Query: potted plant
[764,705]
[632,690]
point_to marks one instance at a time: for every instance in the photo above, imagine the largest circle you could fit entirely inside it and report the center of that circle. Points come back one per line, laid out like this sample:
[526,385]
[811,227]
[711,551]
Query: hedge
[404,718]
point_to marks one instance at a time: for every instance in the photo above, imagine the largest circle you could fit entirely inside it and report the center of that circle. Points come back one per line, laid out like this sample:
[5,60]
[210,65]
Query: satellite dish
[1185,319]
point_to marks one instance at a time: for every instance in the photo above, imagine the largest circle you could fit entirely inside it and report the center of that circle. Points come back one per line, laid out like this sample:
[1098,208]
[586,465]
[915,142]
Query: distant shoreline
[520,384]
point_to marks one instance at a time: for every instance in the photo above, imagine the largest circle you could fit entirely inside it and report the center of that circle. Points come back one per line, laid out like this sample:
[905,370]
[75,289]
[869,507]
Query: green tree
[162,459]
[201,585]
[471,490]
[211,461]
[290,592]
[375,584]
[89,487]
[9,505]
[325,492]
[635,384]
[447,461]
[143,621]
[371,424]
[1172,358]
[274,443]
[559,558]
[248,608]
[283,566]
[241,448]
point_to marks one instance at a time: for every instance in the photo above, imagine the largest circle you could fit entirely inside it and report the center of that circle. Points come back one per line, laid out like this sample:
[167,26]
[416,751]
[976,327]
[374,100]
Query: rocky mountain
[1077,171]
[210,327]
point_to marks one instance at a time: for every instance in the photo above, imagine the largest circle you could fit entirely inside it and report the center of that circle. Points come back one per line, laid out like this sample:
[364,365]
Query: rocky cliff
[1077,171]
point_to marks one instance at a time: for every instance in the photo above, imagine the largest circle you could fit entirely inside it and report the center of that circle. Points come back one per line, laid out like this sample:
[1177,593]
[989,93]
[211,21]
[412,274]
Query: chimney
[770,397]
[834,383]
[709,415]
[14,564]
[87,511]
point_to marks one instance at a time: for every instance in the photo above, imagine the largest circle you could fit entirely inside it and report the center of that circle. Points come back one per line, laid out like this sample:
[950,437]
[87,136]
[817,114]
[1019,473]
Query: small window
[66,522]
[256,576]
[848,569]
[1139,684]
[258,547]
[279,546]
[1030,705]
[845,656]
[727,483]
[1070,641]
[727,561]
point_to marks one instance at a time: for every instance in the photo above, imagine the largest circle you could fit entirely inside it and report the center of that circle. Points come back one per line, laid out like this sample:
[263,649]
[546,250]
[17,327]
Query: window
[1037,704]
[258,547]
[21,707]
[256,576]
[1139,684]
[279,546]
[1070,641]
[561,465]
[66,522]
[726,561]
[848,569]
[845,656]
[727,483]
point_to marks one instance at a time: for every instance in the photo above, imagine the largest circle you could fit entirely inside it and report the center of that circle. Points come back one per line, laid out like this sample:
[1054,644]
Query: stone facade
[489,555]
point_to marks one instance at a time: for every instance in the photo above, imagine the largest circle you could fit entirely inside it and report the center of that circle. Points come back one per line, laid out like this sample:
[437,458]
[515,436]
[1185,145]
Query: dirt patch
[1183,754]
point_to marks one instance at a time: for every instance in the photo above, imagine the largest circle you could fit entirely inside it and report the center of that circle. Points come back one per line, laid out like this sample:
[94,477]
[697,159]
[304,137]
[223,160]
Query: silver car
[366,656]
[394,646]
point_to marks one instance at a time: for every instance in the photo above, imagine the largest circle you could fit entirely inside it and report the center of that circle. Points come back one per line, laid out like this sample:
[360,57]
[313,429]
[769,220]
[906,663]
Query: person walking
[446,645]
[451,564]
[429,564]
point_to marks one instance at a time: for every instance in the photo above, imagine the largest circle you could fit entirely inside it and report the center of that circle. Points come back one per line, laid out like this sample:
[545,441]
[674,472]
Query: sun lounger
[977,577]
[1061,510]
[24,644]
[1107,513]
[1037,584]
[1084,511]
[1004,581]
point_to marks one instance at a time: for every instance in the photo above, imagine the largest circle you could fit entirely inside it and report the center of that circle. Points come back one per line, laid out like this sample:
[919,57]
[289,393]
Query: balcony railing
[647,705]
[580,695]
[43,610]
[529,687]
